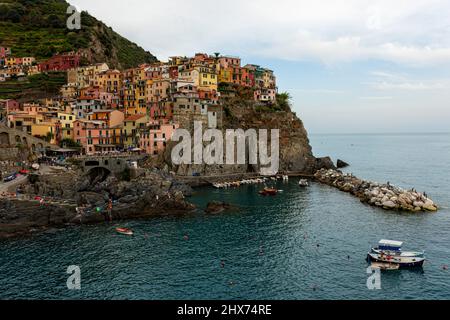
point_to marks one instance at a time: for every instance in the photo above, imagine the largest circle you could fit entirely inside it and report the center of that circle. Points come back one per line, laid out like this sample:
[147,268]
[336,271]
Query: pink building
[154,138]
[4,52]
[94,136]
[11,106]
[229,62]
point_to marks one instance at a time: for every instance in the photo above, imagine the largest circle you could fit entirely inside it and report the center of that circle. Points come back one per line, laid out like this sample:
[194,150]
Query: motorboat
[303,183]
[268,192]
[390,251]
[125,231]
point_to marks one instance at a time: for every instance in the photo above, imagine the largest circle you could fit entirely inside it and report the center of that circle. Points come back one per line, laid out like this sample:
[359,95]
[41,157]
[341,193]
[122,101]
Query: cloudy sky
[351,66]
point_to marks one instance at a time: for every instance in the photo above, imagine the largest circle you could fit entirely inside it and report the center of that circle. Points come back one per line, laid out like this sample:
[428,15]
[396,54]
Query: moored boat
[389,251]
[268,192]
[303,183]
[125,231]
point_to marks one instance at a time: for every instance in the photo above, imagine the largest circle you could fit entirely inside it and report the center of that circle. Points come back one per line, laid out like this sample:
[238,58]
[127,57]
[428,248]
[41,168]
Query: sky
[351,66]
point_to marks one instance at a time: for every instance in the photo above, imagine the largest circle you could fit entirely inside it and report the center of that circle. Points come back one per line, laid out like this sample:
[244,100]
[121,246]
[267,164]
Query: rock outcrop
[341,164]
[241,112]
[383,196]
[67,201]
[215,207]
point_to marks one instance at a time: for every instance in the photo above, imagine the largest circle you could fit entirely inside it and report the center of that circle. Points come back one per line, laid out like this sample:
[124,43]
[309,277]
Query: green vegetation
[38,28]
[49,137]
[284,101]
[282,104]
[69,143]
[44,83]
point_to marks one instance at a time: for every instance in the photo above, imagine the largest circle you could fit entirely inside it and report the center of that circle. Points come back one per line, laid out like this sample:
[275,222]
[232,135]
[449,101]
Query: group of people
[82,211]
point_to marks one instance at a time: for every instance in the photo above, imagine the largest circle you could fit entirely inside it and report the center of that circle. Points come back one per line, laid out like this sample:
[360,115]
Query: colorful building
[94,136]
[4,52]
[130,131]
[153,138]
[61,62]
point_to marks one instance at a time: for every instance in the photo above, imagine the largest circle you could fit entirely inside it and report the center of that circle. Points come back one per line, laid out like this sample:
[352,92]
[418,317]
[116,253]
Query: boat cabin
[390,245]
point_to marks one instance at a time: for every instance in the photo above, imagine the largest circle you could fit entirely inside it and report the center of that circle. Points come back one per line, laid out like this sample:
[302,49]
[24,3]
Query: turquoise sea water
[302,244]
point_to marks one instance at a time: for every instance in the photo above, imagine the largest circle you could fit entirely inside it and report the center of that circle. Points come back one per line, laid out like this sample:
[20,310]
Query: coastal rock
[143,197]
[389,204]
[215,207]
[324,163]
[341,164]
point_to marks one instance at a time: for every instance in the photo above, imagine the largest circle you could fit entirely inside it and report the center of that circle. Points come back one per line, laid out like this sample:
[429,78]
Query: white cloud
[414,86]
[319,91]
[393,81]
[376,98]
[413,32]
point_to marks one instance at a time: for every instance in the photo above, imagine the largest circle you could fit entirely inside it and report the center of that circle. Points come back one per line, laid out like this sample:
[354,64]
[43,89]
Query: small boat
[268,192]
[303,183]
[385,266]
[125,231]
[390,251]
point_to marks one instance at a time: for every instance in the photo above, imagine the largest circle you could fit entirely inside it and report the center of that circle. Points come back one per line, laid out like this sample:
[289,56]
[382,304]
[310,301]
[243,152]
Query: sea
[305,243]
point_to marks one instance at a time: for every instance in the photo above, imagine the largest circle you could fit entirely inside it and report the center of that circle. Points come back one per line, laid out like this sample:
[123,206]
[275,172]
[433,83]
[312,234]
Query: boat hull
[400,253]
[402,262]
[124,231]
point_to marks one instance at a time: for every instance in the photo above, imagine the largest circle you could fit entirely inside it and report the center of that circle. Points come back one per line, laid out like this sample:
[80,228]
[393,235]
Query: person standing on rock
[110,207]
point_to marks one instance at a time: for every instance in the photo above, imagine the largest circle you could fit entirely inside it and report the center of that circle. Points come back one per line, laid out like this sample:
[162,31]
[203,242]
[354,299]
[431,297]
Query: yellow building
[10,61]
[110,81]
[130,130]
[87,76]
[269,79]
[135,91]
[226,75]
[205,78]
[43,130]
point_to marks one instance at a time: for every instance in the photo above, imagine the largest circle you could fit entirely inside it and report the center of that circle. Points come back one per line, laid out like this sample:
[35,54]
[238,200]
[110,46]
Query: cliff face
[241,112]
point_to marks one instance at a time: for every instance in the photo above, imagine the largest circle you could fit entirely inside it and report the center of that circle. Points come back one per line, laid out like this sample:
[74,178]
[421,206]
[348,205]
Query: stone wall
[9,153]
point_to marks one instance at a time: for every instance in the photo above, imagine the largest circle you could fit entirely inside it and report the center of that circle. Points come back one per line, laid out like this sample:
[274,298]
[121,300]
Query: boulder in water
[215,207]
[341,164]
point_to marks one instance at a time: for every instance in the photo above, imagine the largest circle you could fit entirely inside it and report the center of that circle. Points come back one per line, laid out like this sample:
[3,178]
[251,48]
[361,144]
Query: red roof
[135,117]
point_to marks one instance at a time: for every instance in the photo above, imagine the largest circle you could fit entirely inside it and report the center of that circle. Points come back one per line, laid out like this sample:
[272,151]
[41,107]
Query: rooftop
[134,117]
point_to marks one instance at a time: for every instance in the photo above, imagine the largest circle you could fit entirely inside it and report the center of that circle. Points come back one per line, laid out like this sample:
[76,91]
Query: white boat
[385,266]
[303,183]
[125,231]
[390,251]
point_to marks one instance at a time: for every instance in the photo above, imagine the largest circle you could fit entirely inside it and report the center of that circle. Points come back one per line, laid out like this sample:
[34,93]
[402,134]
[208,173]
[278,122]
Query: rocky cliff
[241,112]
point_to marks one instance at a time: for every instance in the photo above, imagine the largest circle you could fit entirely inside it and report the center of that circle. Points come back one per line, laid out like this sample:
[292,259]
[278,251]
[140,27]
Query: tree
[69,143]
[49,137]
[284,101]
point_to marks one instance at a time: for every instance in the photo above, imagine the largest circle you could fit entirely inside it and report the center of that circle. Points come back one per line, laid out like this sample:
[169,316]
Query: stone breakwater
[383,196]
